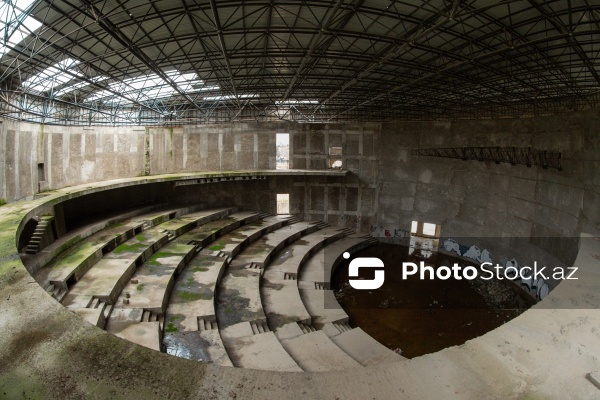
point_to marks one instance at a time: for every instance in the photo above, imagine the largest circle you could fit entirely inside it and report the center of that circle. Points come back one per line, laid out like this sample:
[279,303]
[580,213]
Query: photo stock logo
[365,262]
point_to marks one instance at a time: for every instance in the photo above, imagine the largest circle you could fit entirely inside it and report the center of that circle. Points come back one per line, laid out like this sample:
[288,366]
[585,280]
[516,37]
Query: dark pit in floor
[424,316]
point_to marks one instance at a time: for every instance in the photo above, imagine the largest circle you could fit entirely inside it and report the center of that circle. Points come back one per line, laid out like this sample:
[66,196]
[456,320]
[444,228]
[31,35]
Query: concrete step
[147,334]
[207,323]
[342,326]
[205,346]
[288,276]
[259,326]
[257,351]
[94,316]
[158,218]
[205,234]
[321,285]
[348,231]
[71,265]
[149,316]
[235,241]
[151,284]
[240,283]
[193,293]
[364,349]
[322,306]
[106,279]
[306,328]
[76,237]
[315,352]
[37,236]
[57,292]
[279,289]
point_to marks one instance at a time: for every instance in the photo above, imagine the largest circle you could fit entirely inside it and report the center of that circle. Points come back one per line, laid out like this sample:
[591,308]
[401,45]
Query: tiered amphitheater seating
[279,290]
[43,257]
[325,311]
[234,288]
[239,307]
[140,308]
[90,244]
[191,328]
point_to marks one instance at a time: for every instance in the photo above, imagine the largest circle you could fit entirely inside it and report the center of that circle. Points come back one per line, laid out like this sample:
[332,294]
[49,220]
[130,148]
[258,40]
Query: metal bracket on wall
[513,155]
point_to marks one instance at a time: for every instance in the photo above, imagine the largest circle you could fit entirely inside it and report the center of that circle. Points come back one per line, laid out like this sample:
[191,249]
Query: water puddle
[424,316]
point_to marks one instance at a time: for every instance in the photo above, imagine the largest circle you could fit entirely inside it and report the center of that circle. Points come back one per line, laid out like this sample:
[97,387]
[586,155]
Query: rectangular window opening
[41,175]
[424,239]
[335,157]
[429,229]
[282,155]
[414,227]
[283,203]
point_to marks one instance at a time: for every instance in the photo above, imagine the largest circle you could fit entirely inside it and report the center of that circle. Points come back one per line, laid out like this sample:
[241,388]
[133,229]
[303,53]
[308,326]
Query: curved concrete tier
[46,351]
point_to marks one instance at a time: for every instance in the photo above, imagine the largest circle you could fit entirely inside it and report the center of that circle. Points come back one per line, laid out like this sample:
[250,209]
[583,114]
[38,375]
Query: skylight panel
[203,89]
[296,102]
[230,97]
[80,85]
[52,76]
[10,15]
[151,87]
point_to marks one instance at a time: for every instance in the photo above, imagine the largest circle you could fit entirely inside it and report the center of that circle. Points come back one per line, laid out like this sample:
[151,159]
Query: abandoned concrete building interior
[317,199]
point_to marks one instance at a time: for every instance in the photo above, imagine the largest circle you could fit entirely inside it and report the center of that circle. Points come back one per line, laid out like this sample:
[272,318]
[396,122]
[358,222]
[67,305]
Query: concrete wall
[472,199]
[388,187]
[351,202]
[76,155]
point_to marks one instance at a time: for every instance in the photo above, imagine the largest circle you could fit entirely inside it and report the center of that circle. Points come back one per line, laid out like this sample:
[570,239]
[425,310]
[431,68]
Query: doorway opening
[283,203]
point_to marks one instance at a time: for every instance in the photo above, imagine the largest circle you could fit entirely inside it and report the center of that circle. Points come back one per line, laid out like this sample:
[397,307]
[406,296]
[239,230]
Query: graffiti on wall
[387,232]
[474,253]
[537,286]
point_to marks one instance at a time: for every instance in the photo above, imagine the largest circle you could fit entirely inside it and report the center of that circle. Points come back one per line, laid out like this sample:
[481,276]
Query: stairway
[58,292]
[149,316]
[36,239]
[306,328]
[342,326]
[105,308]
[259,326]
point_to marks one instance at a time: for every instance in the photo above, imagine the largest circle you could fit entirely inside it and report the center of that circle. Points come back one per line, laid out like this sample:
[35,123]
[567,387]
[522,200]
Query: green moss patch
[190,296]
[159,254]
[129,248]
[171,328]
